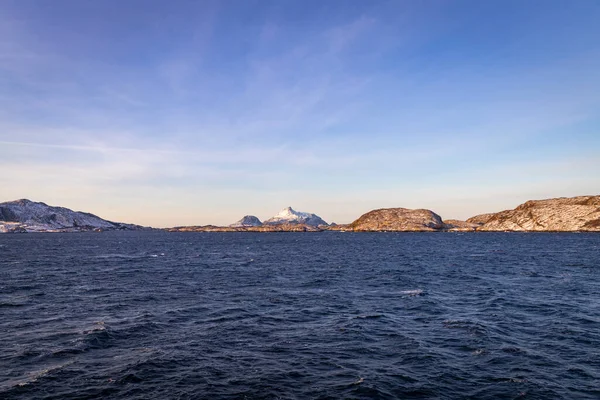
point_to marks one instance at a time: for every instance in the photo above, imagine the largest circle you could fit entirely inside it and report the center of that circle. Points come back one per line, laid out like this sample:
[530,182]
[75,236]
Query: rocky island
[398,220]
[290,216]
[287,220]
[574,214]
[564,214]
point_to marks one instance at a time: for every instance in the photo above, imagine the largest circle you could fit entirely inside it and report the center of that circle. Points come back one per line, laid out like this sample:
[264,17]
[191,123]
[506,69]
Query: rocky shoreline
[262,228]
[572,214]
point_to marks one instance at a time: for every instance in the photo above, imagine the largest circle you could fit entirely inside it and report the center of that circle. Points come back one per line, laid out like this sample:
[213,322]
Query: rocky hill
[247,220]
[291,217]
[29,216]
[398,219]
[562,214]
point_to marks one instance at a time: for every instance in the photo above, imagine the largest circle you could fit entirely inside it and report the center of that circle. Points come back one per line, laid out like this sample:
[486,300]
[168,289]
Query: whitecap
[412,292]
[358,381]
[35,375]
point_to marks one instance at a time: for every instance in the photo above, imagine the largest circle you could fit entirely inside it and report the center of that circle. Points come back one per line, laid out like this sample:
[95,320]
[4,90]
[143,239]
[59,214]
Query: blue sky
[196,112]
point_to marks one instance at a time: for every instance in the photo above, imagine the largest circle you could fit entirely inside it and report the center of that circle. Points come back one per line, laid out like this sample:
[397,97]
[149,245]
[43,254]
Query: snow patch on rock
[290,216]
[247,220]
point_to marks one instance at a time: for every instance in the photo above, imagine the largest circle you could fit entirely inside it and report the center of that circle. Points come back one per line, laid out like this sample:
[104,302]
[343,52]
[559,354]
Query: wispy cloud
[377,102]
[342,37]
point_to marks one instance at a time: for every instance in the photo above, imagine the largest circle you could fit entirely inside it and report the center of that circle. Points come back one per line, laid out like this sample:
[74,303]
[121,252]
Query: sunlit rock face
[290,216]
[30,216]
[398,219]
[563,214]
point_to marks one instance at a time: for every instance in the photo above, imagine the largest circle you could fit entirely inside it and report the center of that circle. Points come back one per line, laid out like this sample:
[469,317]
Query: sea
[329,315]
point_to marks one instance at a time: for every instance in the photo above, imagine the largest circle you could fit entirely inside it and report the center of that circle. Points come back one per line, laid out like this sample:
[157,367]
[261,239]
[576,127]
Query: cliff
[399,220]
[562,214]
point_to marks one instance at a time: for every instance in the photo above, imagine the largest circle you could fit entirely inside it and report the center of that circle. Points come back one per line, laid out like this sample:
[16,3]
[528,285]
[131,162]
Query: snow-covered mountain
[248,220]
[291,216]
[29,216]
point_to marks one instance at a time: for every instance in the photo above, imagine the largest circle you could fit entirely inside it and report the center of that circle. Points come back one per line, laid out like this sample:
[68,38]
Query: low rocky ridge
[455,225]
[247,220]
[287,220]
[290,216]
[29,216]
[398,220]
[563,214]
[261,228]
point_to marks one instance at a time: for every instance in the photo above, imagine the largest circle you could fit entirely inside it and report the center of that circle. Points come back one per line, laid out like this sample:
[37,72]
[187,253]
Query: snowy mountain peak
[290,216]
[290,212]
[23,202]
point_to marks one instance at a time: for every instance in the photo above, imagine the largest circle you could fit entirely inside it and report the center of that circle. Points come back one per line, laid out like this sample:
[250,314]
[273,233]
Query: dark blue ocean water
[140,315]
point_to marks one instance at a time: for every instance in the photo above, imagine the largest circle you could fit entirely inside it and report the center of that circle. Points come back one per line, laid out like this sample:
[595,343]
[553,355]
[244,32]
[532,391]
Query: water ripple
[140,315]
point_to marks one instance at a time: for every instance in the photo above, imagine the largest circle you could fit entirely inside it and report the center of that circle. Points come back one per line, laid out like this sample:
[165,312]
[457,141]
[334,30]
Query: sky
[168,113]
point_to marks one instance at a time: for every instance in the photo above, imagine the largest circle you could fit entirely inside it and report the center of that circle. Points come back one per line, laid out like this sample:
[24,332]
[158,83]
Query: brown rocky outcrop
[336,227]
[398,220]
[563,214]
[203,228]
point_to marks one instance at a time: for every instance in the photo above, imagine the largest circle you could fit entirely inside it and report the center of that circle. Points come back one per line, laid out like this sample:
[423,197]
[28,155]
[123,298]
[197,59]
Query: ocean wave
[412,293]
[389,324]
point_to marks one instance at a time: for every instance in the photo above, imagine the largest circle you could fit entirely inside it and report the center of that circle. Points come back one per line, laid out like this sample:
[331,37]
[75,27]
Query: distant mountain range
[572,214]
[29,216]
